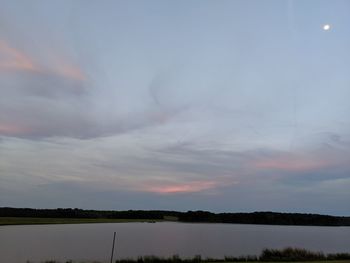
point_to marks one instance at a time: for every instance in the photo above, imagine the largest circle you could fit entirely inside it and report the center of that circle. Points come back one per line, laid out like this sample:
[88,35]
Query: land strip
[263,218]
[45,221]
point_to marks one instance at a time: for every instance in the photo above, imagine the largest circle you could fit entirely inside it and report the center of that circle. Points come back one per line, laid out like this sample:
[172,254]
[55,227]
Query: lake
[93,241]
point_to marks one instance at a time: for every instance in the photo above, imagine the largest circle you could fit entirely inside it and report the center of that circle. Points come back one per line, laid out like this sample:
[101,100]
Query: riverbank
[47,221]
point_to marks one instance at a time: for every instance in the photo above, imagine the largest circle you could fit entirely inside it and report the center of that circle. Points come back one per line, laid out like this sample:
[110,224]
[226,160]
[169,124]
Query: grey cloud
[237,199]
[174,95]
[49,85]
[326,164]
[38,105]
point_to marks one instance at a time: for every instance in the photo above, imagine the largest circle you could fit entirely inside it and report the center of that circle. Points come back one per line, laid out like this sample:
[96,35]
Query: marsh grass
[267,255]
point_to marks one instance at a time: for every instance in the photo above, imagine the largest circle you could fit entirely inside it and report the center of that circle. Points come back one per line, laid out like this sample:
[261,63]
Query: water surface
[94,241]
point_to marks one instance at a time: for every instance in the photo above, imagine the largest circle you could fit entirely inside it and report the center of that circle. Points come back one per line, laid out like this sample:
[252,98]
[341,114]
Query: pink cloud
[292,163]
[63,66]
[13,59]
[189,187]
[72,72]
[12,129]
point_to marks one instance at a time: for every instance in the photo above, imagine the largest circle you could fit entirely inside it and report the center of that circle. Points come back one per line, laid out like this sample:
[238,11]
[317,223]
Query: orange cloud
[13,59]
[70,71]
[190,187]
[291,163]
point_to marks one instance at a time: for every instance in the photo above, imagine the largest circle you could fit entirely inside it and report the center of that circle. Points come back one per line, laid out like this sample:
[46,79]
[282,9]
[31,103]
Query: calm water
[93,241]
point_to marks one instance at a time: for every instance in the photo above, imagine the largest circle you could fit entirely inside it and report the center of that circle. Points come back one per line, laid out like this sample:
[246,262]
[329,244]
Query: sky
[226,106]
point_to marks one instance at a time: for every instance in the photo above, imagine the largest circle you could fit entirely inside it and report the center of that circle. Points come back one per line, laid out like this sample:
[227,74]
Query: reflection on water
[94,241]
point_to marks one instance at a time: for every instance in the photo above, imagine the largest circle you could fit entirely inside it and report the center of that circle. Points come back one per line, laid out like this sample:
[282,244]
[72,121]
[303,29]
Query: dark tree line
[269,218]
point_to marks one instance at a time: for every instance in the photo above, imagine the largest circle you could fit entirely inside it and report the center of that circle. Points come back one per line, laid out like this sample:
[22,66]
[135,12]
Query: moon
[326,27]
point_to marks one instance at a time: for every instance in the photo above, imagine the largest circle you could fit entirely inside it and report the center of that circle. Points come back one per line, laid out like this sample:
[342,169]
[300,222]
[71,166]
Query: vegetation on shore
[267,255]
[164,260]
[95,216]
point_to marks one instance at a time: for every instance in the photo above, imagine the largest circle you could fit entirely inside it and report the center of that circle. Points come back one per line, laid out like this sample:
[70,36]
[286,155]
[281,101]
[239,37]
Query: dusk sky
[234,106]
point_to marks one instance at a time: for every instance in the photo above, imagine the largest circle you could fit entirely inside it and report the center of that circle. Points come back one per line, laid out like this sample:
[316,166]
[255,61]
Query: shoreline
[62,215]
[15,221]
[18,221]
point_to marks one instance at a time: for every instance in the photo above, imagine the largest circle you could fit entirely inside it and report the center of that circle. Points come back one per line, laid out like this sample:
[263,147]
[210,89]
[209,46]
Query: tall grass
[299,254]
[288,254]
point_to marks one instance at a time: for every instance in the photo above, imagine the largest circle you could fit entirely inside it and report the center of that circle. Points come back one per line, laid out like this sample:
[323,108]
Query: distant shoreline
[12,221]
[18,221]
[27,216]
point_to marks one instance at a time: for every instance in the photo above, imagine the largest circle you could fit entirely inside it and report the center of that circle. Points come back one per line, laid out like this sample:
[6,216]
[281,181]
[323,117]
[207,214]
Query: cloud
[312,164]
[70,71]
[291,162]
[52,96]
[14,59]
[148,109]
[189,187]
[130,166]
[12,129]
[38,100]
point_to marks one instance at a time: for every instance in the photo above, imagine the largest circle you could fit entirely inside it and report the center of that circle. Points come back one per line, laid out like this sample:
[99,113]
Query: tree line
[267,218]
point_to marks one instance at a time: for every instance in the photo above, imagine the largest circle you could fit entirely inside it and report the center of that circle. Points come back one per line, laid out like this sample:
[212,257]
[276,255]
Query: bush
[290,254]
[339,256]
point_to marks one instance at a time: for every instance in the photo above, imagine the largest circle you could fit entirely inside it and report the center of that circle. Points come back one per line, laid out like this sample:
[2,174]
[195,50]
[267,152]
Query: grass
[289,254]
[203,261]
[45,221]
[324,261]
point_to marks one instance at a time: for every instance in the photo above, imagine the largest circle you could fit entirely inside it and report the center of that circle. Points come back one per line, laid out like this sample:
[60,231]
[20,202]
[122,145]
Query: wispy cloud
[62,66]
[176,188]
[292,163]
[9,129]
[51,95]
[14,59]
[150,100]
